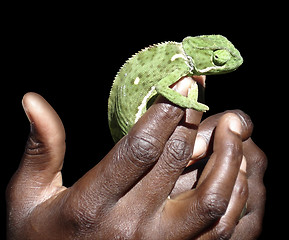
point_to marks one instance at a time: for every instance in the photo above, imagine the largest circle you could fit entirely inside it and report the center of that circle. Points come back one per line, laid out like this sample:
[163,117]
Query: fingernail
[201,79]
[243,166]
[235,124]
[183,85]
[26,111]
[200,147]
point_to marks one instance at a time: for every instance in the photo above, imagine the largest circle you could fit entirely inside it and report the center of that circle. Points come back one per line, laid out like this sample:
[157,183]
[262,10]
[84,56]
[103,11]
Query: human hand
[253,166]
[125,196]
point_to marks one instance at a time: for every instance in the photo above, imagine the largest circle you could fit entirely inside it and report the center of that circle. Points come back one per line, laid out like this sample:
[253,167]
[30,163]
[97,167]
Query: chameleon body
[153,70]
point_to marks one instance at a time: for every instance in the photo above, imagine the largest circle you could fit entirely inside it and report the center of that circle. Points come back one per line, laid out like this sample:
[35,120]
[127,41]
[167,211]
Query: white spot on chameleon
[143,104]
[136,81]
[178,55]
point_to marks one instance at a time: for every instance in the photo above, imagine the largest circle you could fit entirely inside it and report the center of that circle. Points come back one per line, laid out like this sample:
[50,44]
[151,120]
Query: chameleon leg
[191,101]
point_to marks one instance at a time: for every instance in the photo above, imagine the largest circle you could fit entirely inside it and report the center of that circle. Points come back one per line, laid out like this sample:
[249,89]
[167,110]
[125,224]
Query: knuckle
[225,230]
[262,191]
[143,148]
[257,160]
[261,160]
[241,187]
[241,190]
[213,205]
[179,150]
[36,154]
[34,147]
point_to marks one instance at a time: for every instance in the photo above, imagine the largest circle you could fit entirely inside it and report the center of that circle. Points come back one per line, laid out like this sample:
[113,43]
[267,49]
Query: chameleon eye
[221,57]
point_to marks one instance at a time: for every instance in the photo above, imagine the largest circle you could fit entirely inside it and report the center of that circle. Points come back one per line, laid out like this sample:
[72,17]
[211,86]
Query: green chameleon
[153,70]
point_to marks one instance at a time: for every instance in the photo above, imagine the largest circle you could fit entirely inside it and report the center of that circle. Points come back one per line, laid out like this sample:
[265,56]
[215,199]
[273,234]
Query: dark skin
[143,188]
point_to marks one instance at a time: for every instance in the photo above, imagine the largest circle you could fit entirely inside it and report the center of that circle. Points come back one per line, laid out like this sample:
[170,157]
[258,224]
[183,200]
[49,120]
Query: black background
[70,54]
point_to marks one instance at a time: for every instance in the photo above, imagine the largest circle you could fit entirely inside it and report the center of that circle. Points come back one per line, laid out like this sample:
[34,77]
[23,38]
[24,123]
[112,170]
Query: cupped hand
[140,189]
[249,181]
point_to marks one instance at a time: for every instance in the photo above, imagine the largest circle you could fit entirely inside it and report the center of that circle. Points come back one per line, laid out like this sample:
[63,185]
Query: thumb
[39,170]
[44,152]
[38,176]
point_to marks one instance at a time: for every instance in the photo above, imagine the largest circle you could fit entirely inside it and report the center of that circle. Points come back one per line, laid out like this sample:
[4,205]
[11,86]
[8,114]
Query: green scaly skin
[153,70]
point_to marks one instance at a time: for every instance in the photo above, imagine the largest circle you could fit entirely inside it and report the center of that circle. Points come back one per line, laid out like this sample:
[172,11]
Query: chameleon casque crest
[153,70]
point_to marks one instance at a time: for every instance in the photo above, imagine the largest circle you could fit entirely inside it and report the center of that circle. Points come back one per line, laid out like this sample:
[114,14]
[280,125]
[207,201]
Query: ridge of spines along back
[135,54]
[142,50]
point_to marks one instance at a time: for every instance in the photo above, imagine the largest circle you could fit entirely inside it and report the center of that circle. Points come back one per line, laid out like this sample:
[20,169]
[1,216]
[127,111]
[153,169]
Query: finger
[207,127]
[238,200]
[256,167]
[256,160]
[198,209]
[227,223]
[159,182]
[46,144]
[224,122]
[133,155]
[201,79]
[250,226]
[43,157]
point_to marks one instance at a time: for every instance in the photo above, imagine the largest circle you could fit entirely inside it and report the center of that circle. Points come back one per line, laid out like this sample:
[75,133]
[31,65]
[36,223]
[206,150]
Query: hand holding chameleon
[126,194]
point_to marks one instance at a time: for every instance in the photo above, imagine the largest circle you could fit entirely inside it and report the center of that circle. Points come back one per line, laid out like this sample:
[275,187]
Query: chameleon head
[211,54]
